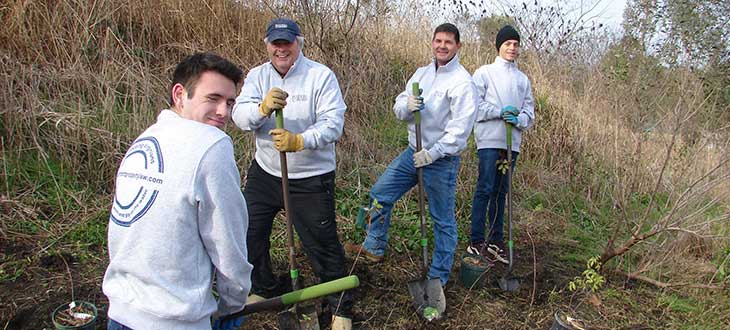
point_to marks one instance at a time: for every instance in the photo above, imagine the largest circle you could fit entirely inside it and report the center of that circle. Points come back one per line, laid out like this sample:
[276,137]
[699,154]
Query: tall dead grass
[80,79]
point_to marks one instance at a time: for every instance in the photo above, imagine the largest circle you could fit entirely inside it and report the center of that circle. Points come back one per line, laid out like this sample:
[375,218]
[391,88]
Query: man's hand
[509,115]
[228,324]
[511,119]
[415,103]
[274,100]
[509,110]
[422,158]
[286,141]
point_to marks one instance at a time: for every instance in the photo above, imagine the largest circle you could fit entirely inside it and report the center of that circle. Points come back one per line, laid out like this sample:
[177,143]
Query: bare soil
[382,299]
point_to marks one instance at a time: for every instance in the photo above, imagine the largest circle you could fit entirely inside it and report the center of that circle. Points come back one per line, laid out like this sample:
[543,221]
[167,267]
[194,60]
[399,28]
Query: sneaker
[477,248]
[355,250]
[496,250]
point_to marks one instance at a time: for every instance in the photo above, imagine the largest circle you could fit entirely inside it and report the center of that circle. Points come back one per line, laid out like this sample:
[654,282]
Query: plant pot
[62,320]
[473,271]
[563,322]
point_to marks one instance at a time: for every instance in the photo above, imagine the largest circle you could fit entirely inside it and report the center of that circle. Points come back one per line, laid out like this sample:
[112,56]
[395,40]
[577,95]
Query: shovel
[289,319]
[428,295]
[298,296]
[509,282]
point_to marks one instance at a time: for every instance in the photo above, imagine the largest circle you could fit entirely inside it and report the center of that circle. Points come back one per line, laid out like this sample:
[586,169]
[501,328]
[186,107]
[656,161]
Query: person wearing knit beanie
[505,99]
[506,33]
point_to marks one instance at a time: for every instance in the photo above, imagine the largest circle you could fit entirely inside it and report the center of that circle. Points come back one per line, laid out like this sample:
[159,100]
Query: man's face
[509,50]
[444,47]
[211,102]
[282,54]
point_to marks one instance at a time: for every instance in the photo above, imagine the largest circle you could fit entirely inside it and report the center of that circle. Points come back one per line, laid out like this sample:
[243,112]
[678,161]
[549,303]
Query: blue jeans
[114,325]
[490,193]
[439,179]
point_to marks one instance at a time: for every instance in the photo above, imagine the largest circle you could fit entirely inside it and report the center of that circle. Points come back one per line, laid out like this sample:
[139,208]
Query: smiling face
[283,54]
[210,101]
[509,50]
[444,47]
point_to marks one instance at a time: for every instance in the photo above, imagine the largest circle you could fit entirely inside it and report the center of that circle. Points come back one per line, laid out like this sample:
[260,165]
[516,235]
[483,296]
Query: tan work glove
[286,141]
[422,158]
[274,100]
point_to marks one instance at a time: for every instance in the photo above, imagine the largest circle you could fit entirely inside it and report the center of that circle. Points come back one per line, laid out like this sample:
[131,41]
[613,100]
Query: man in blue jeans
[447,108]
[505,98]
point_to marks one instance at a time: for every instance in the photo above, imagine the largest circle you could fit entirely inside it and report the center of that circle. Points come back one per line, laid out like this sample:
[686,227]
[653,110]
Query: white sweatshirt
[450,99]
[314,108]
[178,212]
[501,84]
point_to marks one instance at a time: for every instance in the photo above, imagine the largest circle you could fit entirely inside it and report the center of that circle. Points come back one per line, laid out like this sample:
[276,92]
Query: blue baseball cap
[282,29]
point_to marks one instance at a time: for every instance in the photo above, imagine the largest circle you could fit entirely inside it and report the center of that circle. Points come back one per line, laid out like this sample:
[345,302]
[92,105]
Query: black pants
[313,215]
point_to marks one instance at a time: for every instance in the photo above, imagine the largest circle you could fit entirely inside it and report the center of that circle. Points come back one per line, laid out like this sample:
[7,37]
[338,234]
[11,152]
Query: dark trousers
[312,202]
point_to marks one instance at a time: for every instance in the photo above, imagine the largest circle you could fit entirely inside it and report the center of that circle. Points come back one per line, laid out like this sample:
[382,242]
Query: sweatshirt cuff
[435,154]
[491,114]
[308,139]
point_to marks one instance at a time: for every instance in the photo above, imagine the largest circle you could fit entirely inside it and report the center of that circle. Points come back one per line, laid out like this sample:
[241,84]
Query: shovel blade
[428,293]
[287,320]
[508,283]
[301,318]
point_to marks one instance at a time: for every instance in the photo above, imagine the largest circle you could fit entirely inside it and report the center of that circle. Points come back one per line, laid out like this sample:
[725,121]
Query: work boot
[254,298]
[496,250]
[354,250]
[341,323]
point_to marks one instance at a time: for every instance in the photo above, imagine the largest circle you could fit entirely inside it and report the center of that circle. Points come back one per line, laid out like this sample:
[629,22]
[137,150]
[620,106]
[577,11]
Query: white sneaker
[498,253]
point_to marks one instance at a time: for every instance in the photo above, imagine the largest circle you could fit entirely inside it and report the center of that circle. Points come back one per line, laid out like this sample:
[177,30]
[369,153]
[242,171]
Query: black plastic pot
[561,322]
[90,325]
[472,275]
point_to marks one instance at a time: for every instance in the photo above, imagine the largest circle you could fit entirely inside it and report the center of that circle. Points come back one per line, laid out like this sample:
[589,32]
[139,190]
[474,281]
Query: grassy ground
[56,250]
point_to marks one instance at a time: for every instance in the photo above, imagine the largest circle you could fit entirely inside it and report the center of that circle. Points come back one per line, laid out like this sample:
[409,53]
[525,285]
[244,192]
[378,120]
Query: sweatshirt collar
[504,63]
[299,62]
[449,66]
[167,114]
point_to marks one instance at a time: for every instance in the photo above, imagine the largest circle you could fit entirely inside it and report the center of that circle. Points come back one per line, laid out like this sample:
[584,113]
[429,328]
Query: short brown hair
[189,70]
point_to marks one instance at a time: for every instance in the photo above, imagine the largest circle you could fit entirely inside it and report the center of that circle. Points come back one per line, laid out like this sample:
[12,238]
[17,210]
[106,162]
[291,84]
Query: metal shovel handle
[421,194]
[293,269]
[510,244]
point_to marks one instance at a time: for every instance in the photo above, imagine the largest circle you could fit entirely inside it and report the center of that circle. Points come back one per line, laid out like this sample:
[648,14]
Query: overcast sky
[612,12]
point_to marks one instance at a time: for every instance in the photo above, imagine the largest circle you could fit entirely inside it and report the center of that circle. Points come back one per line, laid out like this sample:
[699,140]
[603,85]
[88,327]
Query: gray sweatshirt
[315,108]
[449,99]
[501,84]
[178,215]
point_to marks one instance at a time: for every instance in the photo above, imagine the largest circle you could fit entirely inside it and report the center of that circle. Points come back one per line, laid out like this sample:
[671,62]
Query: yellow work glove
[274,100]
[286,141]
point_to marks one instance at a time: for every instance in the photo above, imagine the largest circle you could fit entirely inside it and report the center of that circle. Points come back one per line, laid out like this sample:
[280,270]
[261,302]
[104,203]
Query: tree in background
[693,34]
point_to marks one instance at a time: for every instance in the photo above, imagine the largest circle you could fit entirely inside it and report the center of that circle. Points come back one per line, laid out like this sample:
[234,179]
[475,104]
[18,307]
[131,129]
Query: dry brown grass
[79,80]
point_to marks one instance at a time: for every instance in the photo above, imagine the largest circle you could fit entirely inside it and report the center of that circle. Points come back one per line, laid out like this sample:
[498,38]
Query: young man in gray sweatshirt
[505,98]
[178,213]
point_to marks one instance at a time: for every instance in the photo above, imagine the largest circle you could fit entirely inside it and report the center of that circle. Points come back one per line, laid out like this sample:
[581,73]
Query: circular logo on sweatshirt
[138,181]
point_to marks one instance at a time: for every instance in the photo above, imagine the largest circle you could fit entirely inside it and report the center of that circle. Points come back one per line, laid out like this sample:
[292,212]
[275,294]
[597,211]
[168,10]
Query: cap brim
[281,35]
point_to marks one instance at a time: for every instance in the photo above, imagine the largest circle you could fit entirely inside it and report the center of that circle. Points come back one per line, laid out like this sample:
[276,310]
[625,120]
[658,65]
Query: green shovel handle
[279,118]
[301,295]
[509,136]
[417,92]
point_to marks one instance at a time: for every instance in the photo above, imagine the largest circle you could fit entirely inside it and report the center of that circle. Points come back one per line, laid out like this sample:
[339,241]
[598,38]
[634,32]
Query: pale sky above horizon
[612,13]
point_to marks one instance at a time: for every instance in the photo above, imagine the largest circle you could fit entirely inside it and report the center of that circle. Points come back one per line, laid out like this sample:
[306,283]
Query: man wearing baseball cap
[505,98]
[313,110]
